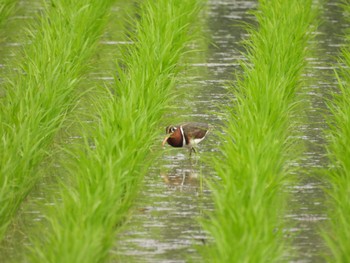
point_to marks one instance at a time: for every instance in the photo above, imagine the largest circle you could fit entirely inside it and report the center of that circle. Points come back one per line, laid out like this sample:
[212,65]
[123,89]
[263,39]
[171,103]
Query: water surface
[164,225]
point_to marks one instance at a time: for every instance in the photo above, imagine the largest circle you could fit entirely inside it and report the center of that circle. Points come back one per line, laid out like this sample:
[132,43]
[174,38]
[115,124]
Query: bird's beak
[165,139]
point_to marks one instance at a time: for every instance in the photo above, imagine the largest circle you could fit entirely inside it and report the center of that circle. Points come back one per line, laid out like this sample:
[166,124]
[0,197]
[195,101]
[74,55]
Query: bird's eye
[172,129]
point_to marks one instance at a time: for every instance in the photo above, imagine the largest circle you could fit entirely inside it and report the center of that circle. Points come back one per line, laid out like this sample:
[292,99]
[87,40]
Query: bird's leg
[183,178]
[192,149]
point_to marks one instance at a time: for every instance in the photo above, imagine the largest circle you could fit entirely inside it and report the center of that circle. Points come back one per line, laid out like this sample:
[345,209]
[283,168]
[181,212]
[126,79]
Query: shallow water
[308,211]
[164,225]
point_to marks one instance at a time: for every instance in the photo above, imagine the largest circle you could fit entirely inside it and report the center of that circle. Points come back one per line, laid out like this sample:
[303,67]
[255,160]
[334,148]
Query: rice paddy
[255,161]
[337,232]
[88,93]
[107,174]
[41,94]
[6,9]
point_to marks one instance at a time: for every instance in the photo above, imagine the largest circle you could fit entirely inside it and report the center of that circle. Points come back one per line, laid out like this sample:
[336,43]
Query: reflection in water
[181,178]
[308,210]
[168,230]
[164,226]
[175,196]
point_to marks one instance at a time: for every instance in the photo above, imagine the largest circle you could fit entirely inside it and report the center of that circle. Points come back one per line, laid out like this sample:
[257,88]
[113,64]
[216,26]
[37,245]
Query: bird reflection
[181,178]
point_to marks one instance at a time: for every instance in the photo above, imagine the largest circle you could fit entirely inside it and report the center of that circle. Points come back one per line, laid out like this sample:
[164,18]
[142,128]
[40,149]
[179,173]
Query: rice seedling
[107,170]
[259,143]
[337,231]
[6,9]
[41,93]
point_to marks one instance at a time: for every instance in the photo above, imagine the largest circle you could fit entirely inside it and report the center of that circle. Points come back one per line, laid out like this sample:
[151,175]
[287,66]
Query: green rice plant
[107,170]
[6,9]
[260,142]
[42,93]
[337,230]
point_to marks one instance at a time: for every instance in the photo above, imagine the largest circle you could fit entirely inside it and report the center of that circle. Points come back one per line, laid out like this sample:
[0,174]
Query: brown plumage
[186,134]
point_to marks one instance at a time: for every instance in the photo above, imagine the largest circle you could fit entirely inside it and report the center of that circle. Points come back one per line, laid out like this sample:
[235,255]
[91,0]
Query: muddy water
[164,226]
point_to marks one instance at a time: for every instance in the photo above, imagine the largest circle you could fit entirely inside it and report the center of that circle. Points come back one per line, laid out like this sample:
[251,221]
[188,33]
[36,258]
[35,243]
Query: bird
[186,135]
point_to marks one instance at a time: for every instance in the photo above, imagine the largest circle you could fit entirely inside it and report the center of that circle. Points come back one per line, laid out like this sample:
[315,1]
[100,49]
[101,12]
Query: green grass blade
[6,9]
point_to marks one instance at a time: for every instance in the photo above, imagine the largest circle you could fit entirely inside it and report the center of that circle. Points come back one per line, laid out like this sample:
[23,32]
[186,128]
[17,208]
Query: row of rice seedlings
[337,231]
[30,215]
[259,145]
[41,93]
[106,171]
[6,9]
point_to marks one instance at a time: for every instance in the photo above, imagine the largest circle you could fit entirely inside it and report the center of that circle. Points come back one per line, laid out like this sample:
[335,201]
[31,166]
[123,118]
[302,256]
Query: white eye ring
[172,129]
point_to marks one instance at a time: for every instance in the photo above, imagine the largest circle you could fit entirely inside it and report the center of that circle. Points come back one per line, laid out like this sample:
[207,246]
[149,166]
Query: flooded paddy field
[164,223]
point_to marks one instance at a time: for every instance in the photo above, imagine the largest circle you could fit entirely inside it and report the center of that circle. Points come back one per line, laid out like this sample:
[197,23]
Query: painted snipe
[187,134]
